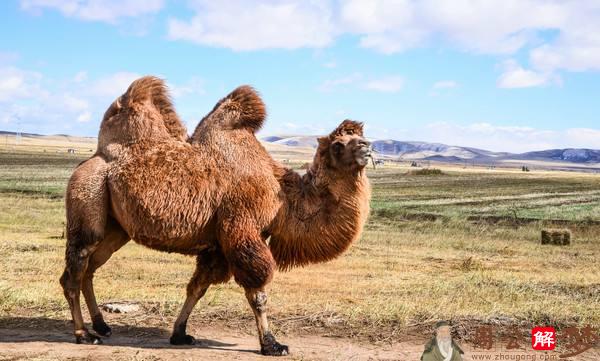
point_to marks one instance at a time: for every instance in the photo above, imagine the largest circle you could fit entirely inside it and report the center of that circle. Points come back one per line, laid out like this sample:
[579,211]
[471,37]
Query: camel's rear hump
[245,101]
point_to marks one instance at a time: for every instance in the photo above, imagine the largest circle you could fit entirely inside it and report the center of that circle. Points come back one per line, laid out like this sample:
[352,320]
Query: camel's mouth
[363,153]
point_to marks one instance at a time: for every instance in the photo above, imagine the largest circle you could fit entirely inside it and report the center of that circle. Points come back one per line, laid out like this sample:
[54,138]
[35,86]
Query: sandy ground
[51,340]
[212,344]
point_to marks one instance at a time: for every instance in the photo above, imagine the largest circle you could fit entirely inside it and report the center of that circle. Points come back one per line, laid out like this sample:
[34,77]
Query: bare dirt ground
[50,339]
[213,343]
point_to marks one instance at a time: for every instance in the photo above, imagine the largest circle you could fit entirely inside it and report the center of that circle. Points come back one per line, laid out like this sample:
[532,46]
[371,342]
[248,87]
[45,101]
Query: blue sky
[501,75]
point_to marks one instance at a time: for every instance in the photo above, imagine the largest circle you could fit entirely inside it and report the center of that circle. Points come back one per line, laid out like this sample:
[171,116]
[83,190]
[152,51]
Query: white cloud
[559,35]
[114,84]
[484,27]
[108,11]
[386,26]
[16,83]
[84,117]
[32,102]
[487,27]
[194,86]
[28,99]
[507,138]
[445,84]
[583,137]
[393,26]
[80,77]
[515,76]
[264,25]
[390,84]
[73,103]
[345,81]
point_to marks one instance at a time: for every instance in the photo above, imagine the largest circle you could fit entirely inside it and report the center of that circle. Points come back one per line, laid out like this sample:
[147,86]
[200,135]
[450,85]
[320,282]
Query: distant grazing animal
[218,196]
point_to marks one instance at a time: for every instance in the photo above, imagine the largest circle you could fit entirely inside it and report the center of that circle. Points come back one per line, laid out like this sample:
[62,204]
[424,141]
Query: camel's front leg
[257,297]
[252,266]
[211,268]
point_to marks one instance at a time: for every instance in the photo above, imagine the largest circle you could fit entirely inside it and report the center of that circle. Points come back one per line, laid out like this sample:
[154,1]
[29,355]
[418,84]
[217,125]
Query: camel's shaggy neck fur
[324,210]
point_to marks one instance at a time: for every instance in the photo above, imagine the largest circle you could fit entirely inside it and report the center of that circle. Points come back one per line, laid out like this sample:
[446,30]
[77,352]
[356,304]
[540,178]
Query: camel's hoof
[102,329]
[88,339]
[275,349]
[182,340]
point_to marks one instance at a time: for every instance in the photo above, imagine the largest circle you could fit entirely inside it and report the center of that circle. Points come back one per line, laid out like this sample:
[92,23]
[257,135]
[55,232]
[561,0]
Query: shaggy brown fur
[218,196]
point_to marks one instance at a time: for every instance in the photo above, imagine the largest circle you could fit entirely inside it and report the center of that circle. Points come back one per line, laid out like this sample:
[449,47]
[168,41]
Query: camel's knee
[76,262]
[64,279]
[70,284]
[257,300]
[252,264]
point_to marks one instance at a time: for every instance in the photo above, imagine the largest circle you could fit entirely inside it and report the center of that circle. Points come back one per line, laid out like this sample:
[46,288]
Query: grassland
[420,259]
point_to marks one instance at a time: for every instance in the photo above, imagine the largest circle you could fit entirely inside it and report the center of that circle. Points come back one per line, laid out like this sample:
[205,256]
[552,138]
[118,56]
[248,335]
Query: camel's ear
[348,127]
[323,141]
[113,109]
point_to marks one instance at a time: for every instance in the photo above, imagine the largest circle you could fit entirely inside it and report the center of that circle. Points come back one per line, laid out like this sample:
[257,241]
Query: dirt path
[51,340]
[213,344]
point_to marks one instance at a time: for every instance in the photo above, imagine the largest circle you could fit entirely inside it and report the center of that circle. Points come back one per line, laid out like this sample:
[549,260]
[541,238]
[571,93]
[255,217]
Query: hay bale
[559,237]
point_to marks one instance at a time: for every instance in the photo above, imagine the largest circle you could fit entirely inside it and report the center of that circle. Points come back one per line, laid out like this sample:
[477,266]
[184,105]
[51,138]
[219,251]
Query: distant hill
[294,141]
[575,155]
[296,147]
[409,150]
[423,150]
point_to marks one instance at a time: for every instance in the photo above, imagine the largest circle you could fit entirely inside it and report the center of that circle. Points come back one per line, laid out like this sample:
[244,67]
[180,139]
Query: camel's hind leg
[211,268]
[87,207]
[114,238]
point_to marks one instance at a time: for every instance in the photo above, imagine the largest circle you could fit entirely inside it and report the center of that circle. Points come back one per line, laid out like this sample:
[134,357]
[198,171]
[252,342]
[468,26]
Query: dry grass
[419,260]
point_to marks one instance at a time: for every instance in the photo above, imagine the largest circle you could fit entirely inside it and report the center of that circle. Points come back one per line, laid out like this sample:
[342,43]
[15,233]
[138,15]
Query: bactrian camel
[218,196]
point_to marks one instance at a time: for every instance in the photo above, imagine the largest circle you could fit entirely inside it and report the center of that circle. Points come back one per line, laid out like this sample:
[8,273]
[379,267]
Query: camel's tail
[241,109]
[154,90]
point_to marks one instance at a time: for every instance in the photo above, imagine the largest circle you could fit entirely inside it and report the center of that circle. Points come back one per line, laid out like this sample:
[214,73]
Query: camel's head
[345,149]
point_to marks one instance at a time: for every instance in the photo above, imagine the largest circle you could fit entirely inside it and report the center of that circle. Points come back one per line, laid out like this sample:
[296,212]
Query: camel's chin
[362,158]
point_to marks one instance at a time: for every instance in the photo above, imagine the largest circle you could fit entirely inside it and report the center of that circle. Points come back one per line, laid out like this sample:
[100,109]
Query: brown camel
[218,196]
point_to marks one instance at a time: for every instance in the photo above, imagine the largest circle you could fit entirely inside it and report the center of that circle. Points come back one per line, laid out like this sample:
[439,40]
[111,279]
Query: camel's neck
[323,213]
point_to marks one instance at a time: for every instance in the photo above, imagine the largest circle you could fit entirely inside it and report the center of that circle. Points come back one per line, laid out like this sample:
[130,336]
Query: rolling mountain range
[294,146]
[394,149]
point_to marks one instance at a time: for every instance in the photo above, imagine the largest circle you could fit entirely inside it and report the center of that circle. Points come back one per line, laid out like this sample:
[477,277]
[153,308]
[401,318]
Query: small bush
[426,171]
